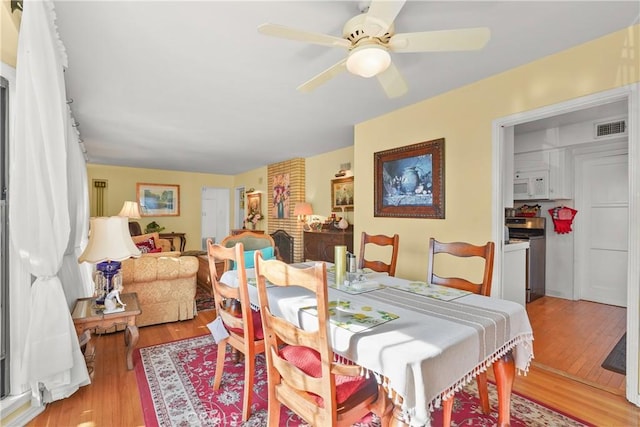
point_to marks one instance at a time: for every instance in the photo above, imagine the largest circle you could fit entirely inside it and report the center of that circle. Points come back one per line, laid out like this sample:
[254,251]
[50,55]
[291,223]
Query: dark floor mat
[616,361]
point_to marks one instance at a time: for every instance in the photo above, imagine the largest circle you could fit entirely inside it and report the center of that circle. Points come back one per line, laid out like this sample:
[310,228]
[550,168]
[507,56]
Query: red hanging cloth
[562,217]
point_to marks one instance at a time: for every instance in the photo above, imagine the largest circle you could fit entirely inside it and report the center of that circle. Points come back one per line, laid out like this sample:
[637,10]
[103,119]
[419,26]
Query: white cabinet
[554,164]
[514,273]
[560,174]
[531,161]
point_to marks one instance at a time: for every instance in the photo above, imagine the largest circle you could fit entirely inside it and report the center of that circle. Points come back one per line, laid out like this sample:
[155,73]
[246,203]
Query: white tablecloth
[432,350]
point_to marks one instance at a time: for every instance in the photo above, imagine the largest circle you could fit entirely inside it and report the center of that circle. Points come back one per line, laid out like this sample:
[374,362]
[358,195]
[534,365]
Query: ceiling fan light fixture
[368,61]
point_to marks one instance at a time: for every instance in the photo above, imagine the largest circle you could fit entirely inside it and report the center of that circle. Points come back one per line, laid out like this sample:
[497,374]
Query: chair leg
[447,408]
[383,407]
[249,369]
[273,411]
[483,391]
[222,349]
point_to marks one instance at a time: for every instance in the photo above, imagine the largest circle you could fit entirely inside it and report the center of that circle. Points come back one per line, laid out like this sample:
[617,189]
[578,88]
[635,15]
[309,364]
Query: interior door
[215,214]
[602,240]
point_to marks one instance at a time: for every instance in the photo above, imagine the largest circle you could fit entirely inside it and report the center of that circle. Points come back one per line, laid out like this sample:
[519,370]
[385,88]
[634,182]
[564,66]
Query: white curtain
[39,205]
[76,278]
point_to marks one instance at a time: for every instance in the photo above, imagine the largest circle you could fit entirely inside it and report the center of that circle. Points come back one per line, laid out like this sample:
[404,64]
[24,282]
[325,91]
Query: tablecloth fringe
[409,413]
[523,339]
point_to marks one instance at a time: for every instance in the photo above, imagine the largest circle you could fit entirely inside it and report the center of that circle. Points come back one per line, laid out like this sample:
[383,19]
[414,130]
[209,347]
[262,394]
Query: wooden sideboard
[319,245]
[237,231]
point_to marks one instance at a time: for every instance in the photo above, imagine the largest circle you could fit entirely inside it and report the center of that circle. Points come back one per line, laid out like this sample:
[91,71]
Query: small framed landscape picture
[409,181]
[342,194]
[158,199]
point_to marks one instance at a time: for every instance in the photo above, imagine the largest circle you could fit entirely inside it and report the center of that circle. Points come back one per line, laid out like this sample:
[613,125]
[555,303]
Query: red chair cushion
[257,325]
[308,361]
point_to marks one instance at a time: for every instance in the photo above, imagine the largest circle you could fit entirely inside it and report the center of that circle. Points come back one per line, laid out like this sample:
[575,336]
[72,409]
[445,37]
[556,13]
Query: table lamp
[302,210]
[109,243]
[130,210]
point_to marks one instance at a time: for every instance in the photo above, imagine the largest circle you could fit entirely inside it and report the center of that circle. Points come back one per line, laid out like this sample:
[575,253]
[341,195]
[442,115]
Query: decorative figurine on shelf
[112,302]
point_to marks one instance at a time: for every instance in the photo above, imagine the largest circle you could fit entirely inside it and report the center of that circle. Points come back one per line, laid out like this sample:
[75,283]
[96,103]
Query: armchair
[253,242]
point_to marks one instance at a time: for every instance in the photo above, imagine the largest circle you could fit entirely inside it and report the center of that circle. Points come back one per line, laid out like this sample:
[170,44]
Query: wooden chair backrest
[380,240]
[251,241]
[293,386]
[464,250]
[224,295]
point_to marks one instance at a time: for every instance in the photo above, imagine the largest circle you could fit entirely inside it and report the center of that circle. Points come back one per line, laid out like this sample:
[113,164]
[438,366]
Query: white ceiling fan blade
[438,41]
[392,82]
[381,15]
[303,36]
[323,77]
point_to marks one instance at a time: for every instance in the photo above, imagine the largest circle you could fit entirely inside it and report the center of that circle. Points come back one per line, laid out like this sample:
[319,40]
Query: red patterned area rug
[204,299]
[174,381]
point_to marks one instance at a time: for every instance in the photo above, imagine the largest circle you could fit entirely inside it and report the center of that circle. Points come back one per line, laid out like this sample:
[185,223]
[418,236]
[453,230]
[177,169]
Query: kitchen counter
[514,279]
[516,245]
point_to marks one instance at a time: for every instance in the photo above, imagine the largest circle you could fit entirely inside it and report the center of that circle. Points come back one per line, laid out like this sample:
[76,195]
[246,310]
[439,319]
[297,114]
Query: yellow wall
[256,179]
[122,186]
[464,118]
[9,24]
[321,169]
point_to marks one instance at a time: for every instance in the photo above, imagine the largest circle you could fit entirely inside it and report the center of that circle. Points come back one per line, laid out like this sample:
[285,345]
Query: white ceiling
[192,86]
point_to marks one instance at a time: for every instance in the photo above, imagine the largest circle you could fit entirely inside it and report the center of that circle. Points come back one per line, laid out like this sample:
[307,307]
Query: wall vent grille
[611,128]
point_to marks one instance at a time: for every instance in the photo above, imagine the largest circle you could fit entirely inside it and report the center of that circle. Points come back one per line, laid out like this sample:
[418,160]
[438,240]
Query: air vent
[610,128]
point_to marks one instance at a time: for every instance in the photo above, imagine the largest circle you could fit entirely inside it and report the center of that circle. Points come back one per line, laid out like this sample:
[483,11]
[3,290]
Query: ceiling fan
[370,36]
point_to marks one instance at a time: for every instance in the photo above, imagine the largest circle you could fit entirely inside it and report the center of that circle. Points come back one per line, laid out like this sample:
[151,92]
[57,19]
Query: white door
[215,214]
[602,237]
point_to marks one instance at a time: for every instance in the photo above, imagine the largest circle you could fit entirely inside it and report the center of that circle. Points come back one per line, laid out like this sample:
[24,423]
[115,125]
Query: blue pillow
[267,253]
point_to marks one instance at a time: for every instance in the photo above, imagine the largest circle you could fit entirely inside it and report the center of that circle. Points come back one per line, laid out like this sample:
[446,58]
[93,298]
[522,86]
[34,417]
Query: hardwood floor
[575,337]
[112,399]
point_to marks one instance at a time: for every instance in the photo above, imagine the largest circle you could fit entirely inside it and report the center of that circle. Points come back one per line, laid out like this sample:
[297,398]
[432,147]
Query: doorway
[215,214]
[628,94]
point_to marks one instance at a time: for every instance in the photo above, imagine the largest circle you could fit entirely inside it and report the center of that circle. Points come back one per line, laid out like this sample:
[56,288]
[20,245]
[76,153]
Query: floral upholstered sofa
[166,286]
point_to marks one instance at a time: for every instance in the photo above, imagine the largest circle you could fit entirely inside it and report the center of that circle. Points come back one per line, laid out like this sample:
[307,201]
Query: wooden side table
[203,277]
[87,317]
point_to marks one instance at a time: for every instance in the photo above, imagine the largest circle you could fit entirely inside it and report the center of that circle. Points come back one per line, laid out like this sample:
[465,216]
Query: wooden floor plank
[576,337]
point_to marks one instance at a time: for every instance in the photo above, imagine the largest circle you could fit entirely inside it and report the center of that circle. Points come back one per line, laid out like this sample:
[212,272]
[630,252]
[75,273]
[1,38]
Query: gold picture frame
[409,181]
[254,203]
[342,194]
[158,199]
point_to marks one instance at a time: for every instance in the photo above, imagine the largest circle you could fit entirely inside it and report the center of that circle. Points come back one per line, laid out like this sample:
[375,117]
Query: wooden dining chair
[302,374]
[234,309]
[380,240]
[464,250]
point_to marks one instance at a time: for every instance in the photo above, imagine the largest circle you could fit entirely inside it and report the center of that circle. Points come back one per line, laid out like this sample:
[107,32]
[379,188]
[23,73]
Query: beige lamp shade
[130,210]
[109,240]
[302,209]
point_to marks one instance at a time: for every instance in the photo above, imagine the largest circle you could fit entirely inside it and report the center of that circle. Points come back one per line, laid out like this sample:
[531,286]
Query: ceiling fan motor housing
[358,31]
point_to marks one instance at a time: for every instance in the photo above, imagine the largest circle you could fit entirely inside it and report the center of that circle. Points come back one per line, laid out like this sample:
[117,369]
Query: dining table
[423,342]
